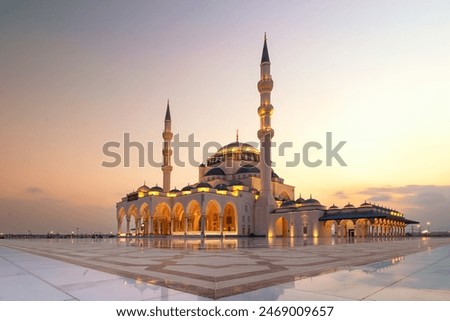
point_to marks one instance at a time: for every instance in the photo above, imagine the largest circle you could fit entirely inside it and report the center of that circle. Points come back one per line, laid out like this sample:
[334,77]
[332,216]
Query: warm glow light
[221,192]
[171,194]
[237,188]
[315,233]
[153,193]
[141,194]
[203,189]
[186,192]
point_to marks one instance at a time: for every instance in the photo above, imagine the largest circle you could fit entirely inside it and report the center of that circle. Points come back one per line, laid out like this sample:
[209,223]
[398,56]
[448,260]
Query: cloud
[341,195]
[424,203]
[381,198]
[34,190]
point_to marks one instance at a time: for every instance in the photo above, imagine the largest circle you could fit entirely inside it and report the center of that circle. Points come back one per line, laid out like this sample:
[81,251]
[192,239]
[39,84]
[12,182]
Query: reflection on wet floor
[383,265]
[225,269]
[236,242]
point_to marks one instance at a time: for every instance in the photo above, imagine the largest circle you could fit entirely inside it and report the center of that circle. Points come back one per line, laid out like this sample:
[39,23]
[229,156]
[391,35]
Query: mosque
[239,194]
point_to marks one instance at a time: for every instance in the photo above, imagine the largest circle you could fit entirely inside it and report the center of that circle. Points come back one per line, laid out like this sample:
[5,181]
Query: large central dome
[235,151]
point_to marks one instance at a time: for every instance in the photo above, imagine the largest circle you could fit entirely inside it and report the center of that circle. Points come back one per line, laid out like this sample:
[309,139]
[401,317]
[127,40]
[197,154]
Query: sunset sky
[75,75]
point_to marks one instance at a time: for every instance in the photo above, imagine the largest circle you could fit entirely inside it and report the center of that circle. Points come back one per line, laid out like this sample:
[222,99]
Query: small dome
[312,201]
[203,184]
[333,207]
[216,171]
[365,204]
[288,203]
[144,189]
[202,165]
[300,200]
[221,187]
[156,188]
[174,190]
[235,183]
[187,188]
[349,206]
[248,169]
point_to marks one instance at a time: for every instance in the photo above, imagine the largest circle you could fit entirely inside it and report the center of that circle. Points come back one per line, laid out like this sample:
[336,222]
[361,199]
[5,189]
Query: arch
[362,227]
[281,227]
[120,215]
[213,217]
[347,228]
[229,221]
[162,220]
[133,212]
[145,216]
[331,228]
[284,196]
[194,216]
[179,218]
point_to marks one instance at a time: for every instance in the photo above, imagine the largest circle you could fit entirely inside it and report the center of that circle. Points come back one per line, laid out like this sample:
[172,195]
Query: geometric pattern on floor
[219,268]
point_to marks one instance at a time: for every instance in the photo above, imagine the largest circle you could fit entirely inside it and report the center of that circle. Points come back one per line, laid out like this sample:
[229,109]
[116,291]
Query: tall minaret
[266,202]
[167,151]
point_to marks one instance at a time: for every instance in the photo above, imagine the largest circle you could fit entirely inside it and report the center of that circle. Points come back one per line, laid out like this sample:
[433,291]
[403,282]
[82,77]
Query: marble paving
[226,269]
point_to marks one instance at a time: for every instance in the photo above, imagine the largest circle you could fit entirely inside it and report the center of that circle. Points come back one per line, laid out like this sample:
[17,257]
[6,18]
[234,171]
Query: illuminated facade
[238,193]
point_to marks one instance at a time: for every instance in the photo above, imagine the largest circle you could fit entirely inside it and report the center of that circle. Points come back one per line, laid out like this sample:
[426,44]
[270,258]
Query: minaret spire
[265,53]
[266,201]
[167,150]
[167,118]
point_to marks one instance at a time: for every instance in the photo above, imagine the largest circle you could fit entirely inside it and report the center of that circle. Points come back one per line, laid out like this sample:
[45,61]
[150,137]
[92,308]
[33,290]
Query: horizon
[78,75]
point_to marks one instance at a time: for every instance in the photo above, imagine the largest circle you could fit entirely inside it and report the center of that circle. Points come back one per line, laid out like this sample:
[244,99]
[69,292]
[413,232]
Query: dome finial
[237,135]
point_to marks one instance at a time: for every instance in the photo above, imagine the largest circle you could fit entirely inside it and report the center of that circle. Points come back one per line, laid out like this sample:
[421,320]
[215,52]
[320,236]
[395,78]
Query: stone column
[202,224]
[150,225]
[119,227]
[128,226]
[137,224]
